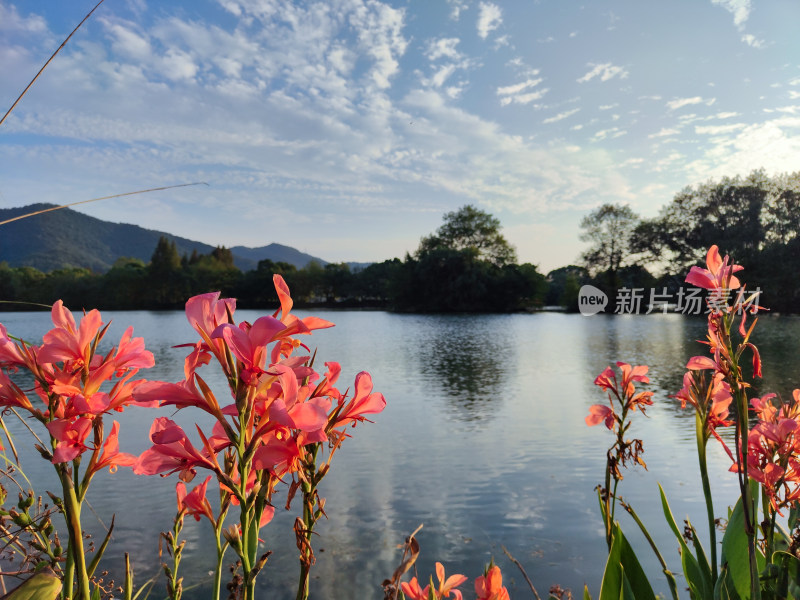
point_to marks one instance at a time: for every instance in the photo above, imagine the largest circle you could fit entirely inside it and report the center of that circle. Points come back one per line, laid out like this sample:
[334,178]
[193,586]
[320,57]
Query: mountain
[276,253]
[66,238]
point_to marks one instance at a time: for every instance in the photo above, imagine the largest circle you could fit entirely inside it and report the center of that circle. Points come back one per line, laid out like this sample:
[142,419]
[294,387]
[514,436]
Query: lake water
[483,441]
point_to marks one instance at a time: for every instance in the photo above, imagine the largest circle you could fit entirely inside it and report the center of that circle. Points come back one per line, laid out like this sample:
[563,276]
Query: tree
[166,286]
[730,213]
[609,229]
[469,228]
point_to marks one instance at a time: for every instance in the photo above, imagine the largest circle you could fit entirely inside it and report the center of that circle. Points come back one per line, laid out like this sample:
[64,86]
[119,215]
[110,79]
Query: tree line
[467,265]
[755,219]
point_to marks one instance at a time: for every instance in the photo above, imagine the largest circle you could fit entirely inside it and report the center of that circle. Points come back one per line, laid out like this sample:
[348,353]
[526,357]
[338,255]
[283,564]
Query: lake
[483,441]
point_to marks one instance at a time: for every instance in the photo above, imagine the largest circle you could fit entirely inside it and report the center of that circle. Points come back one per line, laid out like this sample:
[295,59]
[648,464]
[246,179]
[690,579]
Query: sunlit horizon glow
[347,128]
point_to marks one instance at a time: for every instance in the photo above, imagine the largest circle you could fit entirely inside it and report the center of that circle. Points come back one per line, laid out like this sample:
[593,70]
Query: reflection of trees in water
[468,358]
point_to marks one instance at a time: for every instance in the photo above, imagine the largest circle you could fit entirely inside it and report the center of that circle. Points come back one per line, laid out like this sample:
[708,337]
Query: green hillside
[66,238]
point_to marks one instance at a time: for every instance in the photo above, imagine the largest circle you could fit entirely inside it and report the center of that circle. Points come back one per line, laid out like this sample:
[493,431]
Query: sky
[348,128]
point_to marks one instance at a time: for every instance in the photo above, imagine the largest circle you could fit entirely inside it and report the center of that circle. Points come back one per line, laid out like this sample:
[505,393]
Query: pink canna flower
[249,343]
[10,354]
[180,395]
[71,437]
[364,402]
[607,380]
[490,586]
[279,454]
[447,585]
[131,354]
[413,591]
[288,319]
[110,456]
[171,452]
[66,342]
[12,396]
[718,275]
[600,413]
[195,502]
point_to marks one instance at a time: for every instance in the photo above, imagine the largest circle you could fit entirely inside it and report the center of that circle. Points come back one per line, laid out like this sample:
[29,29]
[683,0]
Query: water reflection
[467,359]
[482,440]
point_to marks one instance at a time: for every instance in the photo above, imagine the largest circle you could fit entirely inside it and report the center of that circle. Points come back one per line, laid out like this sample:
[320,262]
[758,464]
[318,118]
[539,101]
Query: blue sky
[347,128]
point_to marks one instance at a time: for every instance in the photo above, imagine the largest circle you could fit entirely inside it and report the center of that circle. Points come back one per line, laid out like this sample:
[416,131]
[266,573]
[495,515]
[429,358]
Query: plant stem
[702,440]
[309,520]
[72,515]
[220,556]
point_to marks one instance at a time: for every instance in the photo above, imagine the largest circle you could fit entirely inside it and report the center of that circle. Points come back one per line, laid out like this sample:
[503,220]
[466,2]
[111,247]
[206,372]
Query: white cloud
[128,42]
[523,98]
[681,102]
[490,17]
[608,106]
[456,7]
[740,9]
[513,94]
[10,20]
[793,95]
[561,116]
[518,87]
[664,133]
[718,129]
[612,133]
[443,48]
[605,71]
[752,41]
[773,145]
[725,115]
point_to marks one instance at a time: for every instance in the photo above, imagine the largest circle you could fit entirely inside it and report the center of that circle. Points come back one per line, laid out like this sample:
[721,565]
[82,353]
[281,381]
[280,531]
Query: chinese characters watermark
[685,300]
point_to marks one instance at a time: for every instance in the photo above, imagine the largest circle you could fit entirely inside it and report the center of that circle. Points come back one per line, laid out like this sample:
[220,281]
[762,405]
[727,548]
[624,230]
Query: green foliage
[623,576]
[609,230]
[474,230]
[41,586]
[695,568]
[563,285]
[467,266]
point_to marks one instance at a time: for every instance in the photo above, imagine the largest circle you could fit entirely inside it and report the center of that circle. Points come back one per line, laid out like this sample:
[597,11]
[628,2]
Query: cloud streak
[605,72]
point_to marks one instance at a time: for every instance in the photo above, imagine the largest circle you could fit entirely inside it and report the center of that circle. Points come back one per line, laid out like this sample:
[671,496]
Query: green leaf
[622,571]
[42,586]
[700,555]
[99,554]
[627,591]
[735,551]
[724,590]
[699,582]
[586,594]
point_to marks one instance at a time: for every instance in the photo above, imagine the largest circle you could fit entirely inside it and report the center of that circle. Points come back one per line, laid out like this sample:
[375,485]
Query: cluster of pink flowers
[69,375]
[279,405]
[487,587]
[773,457]
[624,391]
[273,427]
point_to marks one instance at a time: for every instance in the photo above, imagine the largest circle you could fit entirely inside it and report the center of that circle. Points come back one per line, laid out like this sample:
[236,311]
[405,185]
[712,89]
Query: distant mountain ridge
[66,238]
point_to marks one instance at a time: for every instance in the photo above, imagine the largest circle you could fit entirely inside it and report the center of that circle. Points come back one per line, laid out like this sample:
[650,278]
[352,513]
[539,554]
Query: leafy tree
[609,230]
[471,228]
[466,266]
[165,257]
[730,213]
[166,287]
[338,281]
[563,286]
